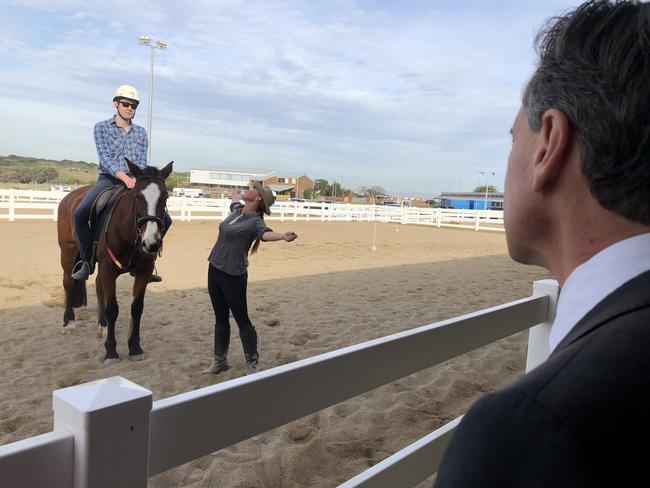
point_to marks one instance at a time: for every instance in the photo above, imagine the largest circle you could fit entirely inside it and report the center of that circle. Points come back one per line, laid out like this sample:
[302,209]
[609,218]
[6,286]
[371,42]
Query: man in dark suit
[577,201]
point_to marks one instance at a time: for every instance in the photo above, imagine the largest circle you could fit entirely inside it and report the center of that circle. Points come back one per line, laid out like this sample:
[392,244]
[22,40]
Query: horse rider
[116,139]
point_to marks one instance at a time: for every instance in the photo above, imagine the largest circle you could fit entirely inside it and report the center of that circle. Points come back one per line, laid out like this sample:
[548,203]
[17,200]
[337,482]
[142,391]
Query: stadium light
[162,45]
[486,174]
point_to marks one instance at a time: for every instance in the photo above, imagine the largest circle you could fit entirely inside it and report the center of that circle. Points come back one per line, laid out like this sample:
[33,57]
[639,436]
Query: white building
[189,192]
[222,178]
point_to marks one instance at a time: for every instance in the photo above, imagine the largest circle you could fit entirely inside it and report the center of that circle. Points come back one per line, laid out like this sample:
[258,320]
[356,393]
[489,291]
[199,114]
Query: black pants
[228,293]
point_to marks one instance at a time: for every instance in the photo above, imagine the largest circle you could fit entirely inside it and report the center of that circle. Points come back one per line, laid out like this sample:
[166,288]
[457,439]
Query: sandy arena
[324,291]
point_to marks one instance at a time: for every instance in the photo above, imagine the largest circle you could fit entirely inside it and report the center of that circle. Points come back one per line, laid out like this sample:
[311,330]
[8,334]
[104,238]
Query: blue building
[472,200]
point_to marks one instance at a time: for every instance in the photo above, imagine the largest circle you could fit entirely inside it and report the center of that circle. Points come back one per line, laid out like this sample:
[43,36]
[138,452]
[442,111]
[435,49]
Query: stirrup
[154,278]
[82,270]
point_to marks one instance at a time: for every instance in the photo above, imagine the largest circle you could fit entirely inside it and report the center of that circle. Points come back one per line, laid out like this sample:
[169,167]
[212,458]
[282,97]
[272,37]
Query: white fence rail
[120,434]
[27,204]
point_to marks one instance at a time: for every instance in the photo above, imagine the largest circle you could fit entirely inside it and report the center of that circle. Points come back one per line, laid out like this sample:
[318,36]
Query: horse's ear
[133,169]
[167,170]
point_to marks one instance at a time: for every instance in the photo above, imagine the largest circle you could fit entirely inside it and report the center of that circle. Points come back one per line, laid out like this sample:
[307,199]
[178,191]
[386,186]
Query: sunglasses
[128,104]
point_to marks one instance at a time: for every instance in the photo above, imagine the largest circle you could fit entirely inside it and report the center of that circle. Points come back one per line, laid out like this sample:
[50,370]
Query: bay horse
[130,240]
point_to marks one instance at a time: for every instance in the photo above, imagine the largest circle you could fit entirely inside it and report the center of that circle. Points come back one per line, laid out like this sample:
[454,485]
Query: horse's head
[150,198]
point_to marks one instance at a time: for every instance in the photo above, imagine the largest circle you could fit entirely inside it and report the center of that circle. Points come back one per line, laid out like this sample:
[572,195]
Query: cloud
[411,93]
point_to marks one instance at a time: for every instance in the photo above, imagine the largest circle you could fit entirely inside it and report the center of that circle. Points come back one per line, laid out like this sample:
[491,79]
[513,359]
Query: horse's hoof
[68,329]
[136,357]
[102,332]
[109,361]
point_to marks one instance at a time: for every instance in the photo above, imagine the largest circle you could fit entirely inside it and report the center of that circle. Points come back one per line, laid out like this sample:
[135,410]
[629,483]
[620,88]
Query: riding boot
[82,270]
[251,363]
[219,364]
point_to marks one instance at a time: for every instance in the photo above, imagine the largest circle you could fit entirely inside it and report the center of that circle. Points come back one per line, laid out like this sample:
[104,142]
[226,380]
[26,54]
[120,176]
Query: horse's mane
[150,172]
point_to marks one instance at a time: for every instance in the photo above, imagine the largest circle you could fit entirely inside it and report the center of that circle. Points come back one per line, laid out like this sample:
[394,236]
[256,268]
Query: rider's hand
[290,236]
[126,179]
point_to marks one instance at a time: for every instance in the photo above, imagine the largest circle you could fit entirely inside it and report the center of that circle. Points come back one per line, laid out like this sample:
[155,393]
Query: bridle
[147,218]
[138,221]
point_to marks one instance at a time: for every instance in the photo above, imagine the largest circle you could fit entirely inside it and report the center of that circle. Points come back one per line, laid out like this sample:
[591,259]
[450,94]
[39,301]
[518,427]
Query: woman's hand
[290,236]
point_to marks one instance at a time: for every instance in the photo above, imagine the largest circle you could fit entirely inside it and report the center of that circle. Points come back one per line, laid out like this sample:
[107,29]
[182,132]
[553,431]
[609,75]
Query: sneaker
[82,271]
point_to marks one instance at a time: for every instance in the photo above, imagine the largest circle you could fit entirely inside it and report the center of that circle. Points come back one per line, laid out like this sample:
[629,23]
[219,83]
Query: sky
[415,96]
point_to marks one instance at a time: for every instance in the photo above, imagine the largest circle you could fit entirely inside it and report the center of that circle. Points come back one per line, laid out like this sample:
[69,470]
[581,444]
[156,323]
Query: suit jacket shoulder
[577,418]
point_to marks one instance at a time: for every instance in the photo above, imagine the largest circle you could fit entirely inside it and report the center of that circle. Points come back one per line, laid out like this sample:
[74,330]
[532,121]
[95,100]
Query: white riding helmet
[126,91]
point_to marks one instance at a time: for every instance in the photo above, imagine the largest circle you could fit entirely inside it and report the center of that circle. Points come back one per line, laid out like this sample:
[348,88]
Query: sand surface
[324,291]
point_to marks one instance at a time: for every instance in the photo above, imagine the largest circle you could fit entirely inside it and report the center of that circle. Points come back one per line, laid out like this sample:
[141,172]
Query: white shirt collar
[596,278]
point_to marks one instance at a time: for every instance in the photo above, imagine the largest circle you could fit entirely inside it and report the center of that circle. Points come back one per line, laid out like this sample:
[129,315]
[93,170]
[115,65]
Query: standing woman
[228,272]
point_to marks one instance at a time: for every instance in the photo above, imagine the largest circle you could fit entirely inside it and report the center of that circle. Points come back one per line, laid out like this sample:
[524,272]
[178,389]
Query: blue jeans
[82,214]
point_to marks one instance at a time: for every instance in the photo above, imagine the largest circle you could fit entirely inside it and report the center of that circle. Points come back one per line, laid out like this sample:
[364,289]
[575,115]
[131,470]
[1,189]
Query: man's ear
[557,136]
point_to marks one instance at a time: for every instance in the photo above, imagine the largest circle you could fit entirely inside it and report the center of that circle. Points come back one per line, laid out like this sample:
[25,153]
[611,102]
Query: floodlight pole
[374,217]
[486,174]
[162,45]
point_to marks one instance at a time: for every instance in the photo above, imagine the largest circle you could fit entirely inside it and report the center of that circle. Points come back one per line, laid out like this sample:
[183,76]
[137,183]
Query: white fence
[29,204]
[109,431]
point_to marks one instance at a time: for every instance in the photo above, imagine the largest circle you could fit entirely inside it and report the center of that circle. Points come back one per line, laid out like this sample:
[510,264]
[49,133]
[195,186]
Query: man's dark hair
[594,66]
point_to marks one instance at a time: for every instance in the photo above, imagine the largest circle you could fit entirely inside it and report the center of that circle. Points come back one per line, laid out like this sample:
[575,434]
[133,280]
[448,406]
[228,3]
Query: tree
[372,190]
[322,187]
[490,189]
[43,175]
[337,189]
[310,193]
[23,175]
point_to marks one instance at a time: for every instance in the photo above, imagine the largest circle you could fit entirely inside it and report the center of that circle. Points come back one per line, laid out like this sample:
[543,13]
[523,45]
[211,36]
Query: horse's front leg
[139,288]
[111,312]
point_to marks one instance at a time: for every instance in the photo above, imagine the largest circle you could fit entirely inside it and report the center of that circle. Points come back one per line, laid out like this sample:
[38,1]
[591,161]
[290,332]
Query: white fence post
[538,348]
[109,420]
[184,209]
[12,204]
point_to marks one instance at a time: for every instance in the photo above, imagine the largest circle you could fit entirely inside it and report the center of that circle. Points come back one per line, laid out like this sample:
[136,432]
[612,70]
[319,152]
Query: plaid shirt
[114,145]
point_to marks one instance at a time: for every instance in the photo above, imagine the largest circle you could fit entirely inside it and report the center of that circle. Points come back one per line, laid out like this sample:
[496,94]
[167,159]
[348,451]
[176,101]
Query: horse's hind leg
[139,287]
[101,309]
[75,291]
[68,314]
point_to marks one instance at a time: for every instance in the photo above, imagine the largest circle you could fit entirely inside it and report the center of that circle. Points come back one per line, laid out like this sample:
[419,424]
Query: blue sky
[414,96]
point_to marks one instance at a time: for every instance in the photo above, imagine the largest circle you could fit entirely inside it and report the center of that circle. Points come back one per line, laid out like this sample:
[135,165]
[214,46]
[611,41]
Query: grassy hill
[23,172]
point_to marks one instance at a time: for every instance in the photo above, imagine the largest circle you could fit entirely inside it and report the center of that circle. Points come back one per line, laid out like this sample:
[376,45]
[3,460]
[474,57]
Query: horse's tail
[79,294]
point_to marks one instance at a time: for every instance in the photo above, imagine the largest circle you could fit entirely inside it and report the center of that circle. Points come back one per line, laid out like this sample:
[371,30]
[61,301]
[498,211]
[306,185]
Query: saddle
[101,208]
